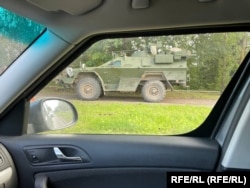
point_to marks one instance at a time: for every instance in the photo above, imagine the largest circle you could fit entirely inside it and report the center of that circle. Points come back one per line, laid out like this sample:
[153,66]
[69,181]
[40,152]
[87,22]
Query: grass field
[136,118]
[122,117]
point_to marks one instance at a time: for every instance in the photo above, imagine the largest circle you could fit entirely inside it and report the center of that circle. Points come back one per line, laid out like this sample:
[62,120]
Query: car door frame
[16,142]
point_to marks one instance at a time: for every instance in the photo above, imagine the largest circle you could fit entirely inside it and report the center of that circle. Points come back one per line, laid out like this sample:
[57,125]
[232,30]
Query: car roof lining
[75,7]
[113,16]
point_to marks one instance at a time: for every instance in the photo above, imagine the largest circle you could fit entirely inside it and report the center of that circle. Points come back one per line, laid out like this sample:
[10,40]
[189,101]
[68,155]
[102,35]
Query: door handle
[59,154]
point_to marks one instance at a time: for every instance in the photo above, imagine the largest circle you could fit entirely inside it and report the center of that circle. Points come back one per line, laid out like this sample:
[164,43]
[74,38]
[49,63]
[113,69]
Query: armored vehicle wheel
[153,91]
[88,88]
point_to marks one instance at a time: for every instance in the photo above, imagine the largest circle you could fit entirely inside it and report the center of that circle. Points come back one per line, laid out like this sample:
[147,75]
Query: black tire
[88,88]
[153,91]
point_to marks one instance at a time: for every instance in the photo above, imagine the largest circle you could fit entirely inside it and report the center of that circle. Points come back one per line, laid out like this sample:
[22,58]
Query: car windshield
[16,34]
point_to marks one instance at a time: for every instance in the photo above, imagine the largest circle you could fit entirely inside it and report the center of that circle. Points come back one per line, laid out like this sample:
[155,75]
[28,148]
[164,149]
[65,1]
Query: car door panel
[107,177]
[111,160]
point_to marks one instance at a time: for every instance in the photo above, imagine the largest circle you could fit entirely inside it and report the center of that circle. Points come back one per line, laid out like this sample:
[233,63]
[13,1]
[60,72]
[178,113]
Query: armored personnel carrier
[150,74]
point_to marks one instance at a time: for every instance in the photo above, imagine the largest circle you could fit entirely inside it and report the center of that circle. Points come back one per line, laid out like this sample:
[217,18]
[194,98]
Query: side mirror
[83,66]
[51,114]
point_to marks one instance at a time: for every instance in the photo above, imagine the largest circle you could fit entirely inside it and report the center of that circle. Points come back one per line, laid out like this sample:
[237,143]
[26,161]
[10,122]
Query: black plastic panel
[118,153]
[111,178]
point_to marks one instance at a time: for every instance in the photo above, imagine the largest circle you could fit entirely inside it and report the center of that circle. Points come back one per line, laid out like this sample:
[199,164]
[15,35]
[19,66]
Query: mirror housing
[49,114]
[83,66]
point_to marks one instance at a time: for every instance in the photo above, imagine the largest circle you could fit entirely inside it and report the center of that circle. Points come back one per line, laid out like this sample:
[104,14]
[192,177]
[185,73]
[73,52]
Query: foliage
[215,56]
[101,52]
[15,35]
[18,28]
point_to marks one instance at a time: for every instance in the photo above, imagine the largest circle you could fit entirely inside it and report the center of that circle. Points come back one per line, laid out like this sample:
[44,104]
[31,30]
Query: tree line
[215,56]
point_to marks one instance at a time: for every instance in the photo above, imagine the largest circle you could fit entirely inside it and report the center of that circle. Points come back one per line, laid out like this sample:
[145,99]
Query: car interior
[69,28]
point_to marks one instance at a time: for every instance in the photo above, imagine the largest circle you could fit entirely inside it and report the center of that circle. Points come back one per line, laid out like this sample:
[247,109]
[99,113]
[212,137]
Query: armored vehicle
[147,73]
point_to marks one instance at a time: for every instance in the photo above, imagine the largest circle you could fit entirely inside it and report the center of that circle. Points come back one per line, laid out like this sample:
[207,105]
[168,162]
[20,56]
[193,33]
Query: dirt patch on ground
[168,100]
[200,102]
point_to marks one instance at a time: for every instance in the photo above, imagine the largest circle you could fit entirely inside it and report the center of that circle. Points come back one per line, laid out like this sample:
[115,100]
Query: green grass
[136,118]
